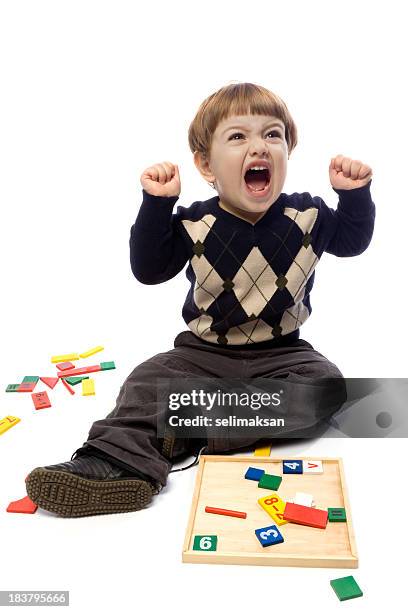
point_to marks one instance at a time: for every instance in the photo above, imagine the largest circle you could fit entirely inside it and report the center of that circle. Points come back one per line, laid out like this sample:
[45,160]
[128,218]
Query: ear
[203,166]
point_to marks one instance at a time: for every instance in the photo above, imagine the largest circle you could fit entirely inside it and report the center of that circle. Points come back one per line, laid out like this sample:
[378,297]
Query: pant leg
[317,388]
[128,434]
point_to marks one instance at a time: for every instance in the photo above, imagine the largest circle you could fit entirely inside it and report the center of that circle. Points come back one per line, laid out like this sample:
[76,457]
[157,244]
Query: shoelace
[196,460]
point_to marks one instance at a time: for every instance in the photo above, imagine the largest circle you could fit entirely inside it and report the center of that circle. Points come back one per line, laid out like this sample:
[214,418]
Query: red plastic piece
[86,370]
[26,387]
[41,400]
[65,365]
[303,515]
[66,385]
[23,506]
[50,382]
[225,512]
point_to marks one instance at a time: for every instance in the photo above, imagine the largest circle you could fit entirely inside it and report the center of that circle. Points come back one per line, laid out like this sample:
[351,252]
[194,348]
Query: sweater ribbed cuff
[356,202]
[155,212]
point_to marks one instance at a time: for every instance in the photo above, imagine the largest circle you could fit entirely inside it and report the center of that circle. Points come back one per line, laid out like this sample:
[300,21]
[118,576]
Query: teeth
[258,168]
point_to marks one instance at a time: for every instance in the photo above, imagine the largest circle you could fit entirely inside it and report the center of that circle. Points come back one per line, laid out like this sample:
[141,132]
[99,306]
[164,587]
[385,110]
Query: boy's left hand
[347,173]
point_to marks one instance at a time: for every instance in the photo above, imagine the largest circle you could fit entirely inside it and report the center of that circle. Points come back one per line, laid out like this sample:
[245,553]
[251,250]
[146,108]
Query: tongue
[256,180]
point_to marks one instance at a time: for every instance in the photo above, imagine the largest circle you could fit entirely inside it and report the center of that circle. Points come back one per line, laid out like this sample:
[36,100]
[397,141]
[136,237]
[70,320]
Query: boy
[252,251]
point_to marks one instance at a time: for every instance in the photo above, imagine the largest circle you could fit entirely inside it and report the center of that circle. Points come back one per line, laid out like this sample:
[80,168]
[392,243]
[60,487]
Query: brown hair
[237,99]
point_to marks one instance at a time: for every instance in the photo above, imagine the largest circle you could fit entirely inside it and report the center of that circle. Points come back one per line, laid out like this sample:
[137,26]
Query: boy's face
[238,142]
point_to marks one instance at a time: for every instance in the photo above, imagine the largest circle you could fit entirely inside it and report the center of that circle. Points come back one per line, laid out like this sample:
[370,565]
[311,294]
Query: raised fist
[162,180]
[347,173]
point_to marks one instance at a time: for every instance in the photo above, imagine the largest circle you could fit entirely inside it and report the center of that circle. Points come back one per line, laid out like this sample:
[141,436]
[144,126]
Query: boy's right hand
[162,180]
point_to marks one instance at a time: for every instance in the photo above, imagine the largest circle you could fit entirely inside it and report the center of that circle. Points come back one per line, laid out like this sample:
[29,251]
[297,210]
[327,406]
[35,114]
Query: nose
[258,146]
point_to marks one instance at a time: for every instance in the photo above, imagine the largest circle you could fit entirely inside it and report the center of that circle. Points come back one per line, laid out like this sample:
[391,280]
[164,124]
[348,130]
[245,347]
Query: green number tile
[346,588]
[31,379]
[205,542]
[107,365]
[269,481]
[337,515]
[11,388]
[74,380]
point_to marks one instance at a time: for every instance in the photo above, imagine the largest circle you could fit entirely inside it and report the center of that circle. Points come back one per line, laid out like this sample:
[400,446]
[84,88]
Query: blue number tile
[291,466]
[269,535]
[254,473]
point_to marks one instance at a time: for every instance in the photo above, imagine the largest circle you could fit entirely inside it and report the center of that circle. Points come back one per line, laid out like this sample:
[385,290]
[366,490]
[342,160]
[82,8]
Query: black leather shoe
[87,485]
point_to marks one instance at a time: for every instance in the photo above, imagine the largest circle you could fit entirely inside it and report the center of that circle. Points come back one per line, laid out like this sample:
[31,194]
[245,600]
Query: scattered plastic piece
[270,481]
[303,499]
[49,381]
[108,365]
[8,422]
[346,588]
[263,451]
[291,466]
[313,467]
[12,387]
[225,512]
[61,358]
[91,352]
[337,515]
[41,400]
[26,387]
[269,535]
[74,380]
[66,385]
[205,542]
[85,370]
[254,473]
[65,365]
[302,515]
[88,386]
[275,507]
[22,506]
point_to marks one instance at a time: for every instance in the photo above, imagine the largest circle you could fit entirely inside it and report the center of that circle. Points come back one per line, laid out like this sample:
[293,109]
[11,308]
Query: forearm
[157,251]
[353,222]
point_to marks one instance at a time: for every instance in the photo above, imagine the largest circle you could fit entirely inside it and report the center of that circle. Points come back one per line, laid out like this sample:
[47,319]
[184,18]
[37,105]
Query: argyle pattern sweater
[249,283]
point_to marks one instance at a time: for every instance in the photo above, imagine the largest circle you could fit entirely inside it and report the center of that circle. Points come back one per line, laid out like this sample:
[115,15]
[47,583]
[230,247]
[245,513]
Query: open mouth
[257,181]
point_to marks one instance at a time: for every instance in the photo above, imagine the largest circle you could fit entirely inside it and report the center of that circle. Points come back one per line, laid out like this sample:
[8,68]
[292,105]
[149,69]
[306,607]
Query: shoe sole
[70,495]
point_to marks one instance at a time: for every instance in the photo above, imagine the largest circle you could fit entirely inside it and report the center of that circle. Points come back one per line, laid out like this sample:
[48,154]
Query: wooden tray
[220,482]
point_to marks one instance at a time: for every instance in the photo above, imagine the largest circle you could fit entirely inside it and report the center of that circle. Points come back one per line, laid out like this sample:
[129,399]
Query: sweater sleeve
[157,248]
[350,227]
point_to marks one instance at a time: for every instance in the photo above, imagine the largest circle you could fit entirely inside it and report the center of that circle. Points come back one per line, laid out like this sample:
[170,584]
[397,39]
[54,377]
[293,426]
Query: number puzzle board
[220,482]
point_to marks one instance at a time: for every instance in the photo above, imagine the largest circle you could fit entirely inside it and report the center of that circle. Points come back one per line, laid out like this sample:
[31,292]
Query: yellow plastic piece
[263,451]
[88,386]
[274,506]
[61,358]
[7,422]
[91,352]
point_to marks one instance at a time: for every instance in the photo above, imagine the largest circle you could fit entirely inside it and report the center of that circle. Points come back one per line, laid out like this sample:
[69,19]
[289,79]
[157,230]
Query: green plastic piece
[107,365]
[346,588]
[74,380]
[337,515]
[268,481]
[11,388]
[31,379]
[205,542]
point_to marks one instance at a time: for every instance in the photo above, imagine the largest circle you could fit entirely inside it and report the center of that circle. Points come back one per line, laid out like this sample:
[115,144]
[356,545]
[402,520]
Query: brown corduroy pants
[128,435]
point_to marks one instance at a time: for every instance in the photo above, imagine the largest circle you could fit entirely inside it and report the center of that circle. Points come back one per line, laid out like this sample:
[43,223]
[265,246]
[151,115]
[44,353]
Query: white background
[91,94]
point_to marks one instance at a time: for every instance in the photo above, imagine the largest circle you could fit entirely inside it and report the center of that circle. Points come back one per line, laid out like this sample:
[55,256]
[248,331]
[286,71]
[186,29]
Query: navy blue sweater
[249,283]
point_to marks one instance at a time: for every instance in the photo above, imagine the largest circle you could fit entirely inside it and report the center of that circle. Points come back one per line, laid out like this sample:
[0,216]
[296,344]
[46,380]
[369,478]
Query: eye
[276,134]
[232,137]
